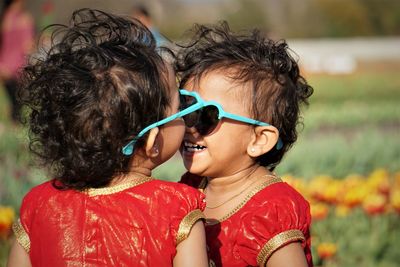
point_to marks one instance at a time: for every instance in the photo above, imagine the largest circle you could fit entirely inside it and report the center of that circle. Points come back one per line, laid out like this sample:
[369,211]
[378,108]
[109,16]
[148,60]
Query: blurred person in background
[16,41]
[142,14]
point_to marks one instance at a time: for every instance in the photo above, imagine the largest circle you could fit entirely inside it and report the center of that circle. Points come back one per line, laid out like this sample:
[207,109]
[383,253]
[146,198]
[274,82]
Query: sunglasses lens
[208,120]
[186,101]
[191,119]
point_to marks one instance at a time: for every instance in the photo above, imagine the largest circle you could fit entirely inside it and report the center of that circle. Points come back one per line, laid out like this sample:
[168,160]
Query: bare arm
[288,256]
[18,256]
[192,251]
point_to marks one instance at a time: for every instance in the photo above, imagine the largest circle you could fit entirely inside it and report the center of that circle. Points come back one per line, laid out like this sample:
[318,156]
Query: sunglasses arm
[127,150]
[222,114]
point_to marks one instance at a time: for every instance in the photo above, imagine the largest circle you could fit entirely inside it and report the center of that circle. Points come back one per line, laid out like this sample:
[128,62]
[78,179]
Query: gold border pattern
[276,242]
[187,223]
[257,189]
[21,235]
[92,192]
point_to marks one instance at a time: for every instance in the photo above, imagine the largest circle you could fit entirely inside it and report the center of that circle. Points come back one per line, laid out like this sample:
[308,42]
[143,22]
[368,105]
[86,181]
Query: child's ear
[151,146]
[262,141]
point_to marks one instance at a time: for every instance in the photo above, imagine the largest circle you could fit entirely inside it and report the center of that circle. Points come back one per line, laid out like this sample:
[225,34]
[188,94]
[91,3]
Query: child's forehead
[224,89]
[220,81]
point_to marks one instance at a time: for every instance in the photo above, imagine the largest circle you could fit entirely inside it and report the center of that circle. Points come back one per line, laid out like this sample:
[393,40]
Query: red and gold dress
[271,216]
[130,224]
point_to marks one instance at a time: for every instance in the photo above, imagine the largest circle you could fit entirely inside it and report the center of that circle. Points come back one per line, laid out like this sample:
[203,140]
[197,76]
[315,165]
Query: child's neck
[218,185]
[133,174]
[224,194]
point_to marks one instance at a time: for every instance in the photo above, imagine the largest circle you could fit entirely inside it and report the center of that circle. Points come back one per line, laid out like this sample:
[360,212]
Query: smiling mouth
[190,147]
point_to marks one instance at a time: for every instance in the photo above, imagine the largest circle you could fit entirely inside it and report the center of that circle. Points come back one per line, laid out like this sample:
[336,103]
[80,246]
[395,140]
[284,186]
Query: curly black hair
[101,82]
[276,88]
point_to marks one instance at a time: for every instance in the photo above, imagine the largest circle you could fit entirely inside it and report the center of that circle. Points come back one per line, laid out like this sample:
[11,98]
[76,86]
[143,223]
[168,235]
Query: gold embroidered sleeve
[276,242]
[187,223]
[21,235]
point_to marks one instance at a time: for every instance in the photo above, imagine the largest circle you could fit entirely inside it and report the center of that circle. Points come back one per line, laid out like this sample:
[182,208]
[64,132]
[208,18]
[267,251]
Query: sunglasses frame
[128,149]
[222,113]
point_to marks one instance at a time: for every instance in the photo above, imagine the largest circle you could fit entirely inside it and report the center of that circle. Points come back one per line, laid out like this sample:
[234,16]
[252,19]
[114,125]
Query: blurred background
[347,159]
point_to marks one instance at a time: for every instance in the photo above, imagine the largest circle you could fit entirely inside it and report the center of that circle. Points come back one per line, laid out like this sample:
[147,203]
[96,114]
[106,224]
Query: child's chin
[191,169]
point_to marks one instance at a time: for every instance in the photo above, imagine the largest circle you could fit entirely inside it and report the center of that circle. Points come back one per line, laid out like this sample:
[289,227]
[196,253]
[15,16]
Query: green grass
[3,106]
[16,168]
[366,87]
[339,154]
[362,240]
[351,126]
[354,100]
[352,115]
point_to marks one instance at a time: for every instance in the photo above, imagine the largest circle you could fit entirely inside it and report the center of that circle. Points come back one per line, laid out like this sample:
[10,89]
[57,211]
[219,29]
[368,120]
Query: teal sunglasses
[204,116]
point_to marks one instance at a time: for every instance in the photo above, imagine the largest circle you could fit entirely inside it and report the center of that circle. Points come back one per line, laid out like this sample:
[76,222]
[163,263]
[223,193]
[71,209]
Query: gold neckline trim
[254,191]
[92,192]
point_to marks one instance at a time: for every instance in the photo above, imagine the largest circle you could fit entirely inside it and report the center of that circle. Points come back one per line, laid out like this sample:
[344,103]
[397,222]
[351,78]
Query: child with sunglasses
[104,113]
[244,93]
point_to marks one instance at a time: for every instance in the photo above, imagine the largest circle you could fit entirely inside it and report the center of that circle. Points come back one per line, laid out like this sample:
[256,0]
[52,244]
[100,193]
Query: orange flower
[342,211]
[379,181]
[318,185]
[297,183]
[332,193]
[6,219]
[355,195]
[319,211]
[375,204]
[326,250]
[395,200]
[396,178]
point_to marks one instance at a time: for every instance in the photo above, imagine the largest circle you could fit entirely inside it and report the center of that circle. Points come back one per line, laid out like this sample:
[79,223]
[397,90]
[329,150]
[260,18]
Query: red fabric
[134,227]
[237,241]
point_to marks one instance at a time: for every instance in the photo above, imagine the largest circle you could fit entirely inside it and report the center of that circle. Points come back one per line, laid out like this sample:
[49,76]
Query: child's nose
[191,130]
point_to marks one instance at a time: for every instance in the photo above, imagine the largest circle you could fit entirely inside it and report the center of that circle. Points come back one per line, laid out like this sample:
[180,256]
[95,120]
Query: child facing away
[104,113]
[245,92]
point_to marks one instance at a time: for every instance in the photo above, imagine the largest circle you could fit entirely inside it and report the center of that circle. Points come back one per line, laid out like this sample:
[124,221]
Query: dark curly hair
[276,88]
[100,83]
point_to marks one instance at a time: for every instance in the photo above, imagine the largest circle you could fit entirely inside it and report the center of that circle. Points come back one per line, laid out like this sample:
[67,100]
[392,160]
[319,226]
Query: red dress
[131,224]
[272,215]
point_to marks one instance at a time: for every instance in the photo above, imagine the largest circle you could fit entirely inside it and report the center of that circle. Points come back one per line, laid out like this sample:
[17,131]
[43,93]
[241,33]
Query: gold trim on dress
[21,235]
[92,192]
[276,242]
[254,191]
[187,223]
